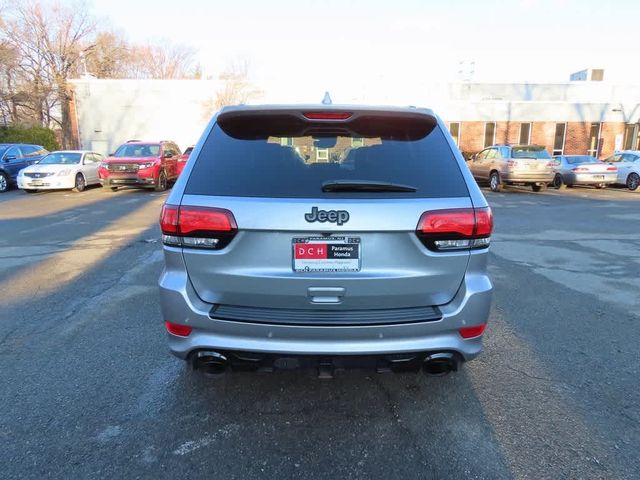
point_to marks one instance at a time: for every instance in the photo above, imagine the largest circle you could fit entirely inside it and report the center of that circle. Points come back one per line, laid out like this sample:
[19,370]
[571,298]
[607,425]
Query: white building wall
[110,112]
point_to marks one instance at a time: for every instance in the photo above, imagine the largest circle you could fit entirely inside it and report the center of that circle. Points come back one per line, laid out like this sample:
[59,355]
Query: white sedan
[61,170]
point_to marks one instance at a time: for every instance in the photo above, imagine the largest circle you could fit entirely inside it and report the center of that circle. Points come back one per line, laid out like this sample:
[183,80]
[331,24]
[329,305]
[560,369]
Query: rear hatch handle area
[325,294]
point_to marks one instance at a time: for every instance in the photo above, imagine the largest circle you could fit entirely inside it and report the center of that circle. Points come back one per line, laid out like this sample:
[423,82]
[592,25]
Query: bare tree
[110,57]
[162,60]
[237,88]
[43,44]
[50,40]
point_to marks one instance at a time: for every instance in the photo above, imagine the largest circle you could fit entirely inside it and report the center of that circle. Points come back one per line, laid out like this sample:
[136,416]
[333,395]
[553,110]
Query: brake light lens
[179,330]
[456,229]
[472,332]
[512,163]
[197,227]
[612,169]
[327,115]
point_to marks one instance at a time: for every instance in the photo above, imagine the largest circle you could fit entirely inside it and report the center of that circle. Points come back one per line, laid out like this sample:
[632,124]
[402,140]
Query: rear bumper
[590,178]
[45,183]
[122,181]
[523,177]
[180,304]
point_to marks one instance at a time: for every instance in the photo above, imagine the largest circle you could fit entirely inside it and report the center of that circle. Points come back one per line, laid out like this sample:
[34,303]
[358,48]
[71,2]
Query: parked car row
[134,164]
[532,165]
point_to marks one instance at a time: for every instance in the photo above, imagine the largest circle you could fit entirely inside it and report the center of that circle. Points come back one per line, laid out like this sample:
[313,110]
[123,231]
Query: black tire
[538,187]
[633,181]
[161,184]
[4,182]
[558,182]
[494,182]
[81,183]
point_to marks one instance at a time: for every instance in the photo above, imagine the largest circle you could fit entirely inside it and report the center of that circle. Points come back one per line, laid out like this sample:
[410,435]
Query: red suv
[141,164]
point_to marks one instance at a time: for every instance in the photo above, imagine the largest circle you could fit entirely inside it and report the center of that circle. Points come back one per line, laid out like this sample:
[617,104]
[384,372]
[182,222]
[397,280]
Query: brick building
[593,118]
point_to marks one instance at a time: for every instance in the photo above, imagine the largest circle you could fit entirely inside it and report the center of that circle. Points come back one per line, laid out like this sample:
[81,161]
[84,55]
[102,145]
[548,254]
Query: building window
[558,139]
[525,133]
[489,134]
[357,142]
[632,137]
[286,141]
[322,155]
[454,130]
[594,140]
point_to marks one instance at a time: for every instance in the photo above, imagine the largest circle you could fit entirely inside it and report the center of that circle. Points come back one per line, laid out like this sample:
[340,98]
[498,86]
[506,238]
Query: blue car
[13,158]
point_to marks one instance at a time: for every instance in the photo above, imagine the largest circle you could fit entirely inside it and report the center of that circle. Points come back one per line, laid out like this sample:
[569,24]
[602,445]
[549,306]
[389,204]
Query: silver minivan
[325,236]
[501,165]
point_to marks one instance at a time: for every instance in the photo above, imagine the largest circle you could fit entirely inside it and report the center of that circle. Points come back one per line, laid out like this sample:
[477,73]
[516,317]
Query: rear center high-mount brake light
[197,227]
[327,115]
[456,229]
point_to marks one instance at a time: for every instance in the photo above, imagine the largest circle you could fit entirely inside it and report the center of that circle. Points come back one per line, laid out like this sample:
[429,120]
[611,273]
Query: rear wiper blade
[364,186]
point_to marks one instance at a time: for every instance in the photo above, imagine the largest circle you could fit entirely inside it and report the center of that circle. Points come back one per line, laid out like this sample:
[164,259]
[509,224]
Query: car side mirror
[168,155]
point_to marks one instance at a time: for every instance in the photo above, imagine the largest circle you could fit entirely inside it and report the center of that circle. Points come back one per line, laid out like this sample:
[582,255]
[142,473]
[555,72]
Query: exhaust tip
[210,363]
[440,364]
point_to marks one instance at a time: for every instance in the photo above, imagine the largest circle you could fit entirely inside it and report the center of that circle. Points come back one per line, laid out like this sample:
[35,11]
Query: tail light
[472,332]
[612,169]
[512,163]
[197,227]
[457,229]
[179,330]
[580,169]
[552,164]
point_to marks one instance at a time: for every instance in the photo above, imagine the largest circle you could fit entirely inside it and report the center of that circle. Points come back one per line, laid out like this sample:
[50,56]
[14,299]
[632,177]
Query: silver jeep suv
[328,237]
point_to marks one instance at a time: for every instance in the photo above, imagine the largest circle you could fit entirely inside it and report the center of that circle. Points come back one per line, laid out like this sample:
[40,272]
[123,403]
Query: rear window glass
[581,159]
[533,151]
[277,157]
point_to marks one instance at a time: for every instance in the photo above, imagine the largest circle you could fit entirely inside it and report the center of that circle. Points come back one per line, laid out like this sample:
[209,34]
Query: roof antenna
[327,99]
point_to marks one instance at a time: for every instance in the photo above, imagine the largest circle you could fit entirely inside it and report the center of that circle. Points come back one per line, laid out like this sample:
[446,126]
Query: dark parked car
[13,158]
[141,164]
[182,159]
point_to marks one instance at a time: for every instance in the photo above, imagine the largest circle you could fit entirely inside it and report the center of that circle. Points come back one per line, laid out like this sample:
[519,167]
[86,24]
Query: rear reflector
[197,227]
[327,115]
[472,332]
[456,229]
[179,330]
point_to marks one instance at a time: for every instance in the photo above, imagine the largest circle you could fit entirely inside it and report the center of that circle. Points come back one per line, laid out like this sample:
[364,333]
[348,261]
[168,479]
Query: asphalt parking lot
[89,389]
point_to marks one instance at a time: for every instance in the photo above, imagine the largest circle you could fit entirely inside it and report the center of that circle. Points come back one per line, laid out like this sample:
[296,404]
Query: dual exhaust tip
[435,364]
[440,364]
[210,363]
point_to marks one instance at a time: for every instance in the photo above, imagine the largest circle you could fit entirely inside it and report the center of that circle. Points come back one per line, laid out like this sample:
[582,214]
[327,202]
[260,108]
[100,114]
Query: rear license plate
[326,254]
[37,183]
[598,177]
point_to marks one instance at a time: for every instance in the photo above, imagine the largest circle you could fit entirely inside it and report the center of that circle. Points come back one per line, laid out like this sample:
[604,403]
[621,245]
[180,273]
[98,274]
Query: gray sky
[362,49]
